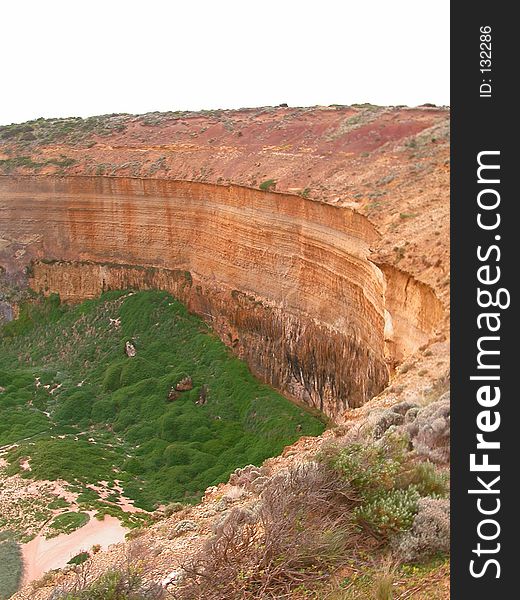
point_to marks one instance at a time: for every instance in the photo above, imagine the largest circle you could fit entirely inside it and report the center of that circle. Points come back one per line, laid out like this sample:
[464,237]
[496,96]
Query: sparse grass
[374,581]
[384,587]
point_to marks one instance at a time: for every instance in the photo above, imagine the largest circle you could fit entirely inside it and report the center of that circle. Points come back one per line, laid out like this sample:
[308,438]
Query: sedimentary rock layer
[413,312]
[283,280]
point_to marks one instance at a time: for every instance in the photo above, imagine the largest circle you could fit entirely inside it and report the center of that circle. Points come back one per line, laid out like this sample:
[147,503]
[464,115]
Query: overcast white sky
[86,57]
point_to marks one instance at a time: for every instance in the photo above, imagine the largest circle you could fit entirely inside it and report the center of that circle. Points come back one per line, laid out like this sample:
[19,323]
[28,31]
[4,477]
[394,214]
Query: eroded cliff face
[286,282]
[412,310]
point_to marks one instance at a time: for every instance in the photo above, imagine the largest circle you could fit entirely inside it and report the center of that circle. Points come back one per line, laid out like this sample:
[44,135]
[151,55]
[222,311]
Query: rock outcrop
[285,281]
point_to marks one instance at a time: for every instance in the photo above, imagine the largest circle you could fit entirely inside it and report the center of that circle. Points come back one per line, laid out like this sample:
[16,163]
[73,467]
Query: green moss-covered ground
[82,410]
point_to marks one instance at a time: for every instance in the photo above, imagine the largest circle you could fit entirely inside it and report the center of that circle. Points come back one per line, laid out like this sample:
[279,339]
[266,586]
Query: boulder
[130,350]
[185,384]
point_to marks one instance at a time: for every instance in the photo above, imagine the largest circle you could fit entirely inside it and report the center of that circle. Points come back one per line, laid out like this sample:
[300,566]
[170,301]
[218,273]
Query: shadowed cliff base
[286,281]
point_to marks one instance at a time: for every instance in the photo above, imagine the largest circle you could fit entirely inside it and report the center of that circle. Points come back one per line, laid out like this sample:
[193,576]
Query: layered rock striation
[285,281]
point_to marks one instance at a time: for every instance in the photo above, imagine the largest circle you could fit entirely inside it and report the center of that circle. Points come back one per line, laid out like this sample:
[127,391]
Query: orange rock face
[285,281]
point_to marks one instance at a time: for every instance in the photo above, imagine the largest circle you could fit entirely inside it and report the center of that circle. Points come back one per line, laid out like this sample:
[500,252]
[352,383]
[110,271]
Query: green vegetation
[8,164]
[70,130]
[68,522]
[267,185]
[80,409]
[115,585]
[11,567]
[79,558]
[387,483]
[58,503]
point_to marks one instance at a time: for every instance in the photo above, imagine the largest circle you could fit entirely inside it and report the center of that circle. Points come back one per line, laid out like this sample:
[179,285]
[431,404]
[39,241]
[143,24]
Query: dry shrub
[384,587]
[45,580]
[430,532]
[112,585]
[430,431]
[127,580]
[299,531]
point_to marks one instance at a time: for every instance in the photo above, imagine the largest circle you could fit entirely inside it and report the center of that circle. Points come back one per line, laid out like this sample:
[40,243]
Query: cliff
[389,163]
[285,281]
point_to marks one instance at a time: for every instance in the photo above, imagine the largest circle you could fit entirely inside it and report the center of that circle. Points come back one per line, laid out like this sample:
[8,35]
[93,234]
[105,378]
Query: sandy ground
[41,555]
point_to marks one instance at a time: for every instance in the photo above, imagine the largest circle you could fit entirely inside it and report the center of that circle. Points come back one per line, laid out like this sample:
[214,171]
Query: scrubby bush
[388,481]
[427,479]
[114,585]
[298,532]
[389,511]
[429,534]
[367,468]
[172,508]
[430,431]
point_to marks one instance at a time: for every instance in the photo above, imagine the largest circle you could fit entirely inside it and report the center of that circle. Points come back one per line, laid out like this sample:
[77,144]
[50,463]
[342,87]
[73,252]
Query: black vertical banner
[485,237]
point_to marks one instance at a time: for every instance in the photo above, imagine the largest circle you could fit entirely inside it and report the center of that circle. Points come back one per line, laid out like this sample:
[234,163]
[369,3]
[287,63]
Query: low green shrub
[267,185]
[387,481]
[368,468]
[68,522]
[389,511]
[79,558]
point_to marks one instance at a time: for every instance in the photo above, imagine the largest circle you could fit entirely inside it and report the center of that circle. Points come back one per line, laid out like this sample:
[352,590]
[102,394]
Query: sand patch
[41,555]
